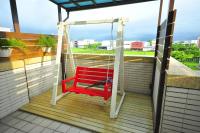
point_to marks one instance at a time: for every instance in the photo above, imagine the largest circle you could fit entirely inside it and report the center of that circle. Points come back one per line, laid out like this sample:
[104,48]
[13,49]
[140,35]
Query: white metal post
[93,21]
[118,56]
[57,63]
[121,40]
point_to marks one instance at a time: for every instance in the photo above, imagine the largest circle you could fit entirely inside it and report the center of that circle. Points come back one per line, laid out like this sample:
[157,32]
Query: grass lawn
[192,65]
[98,51]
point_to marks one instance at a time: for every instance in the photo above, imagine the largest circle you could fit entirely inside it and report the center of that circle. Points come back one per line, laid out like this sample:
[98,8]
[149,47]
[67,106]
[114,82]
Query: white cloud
[37,15]
[134,12]
[40,16]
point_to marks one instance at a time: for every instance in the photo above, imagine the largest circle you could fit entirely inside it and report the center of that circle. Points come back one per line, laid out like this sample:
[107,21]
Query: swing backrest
[91,76]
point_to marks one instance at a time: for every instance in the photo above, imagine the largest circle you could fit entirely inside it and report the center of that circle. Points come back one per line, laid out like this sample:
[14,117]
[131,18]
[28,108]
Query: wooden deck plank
[105,126]
[90,112]
[104,112]
[79,101]
[70,109]
[141,103]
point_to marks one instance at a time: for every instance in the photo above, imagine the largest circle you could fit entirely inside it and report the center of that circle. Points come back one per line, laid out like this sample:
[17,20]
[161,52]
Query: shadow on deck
[91,113]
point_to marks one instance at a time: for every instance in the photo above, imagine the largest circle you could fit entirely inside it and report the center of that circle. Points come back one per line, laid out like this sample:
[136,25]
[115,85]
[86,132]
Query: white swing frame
[63,30]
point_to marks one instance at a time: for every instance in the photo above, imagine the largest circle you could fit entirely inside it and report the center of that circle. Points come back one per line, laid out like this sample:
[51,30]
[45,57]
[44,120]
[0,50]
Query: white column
[57,64]
[122,58]
[118,59]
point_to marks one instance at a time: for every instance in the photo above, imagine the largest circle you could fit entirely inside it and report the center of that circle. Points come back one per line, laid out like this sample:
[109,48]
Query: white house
[198,43]
[82,43]
[127,44]
[147,47]
[108,44]
[194,42]
[146,44]
[4,29]
[153,42]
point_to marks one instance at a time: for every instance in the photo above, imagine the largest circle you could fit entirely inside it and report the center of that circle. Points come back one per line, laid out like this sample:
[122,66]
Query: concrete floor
[22,122]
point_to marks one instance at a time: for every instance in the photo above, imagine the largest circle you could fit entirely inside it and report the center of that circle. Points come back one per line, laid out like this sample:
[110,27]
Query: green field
[182,52]
[192,65]
[98,51]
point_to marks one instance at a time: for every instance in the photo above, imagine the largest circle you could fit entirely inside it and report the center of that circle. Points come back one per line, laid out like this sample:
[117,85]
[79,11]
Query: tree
[150,42]
[179,55]
[93,46]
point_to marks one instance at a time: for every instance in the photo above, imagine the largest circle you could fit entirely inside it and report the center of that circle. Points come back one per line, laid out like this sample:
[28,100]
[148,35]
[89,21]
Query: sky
[40,16]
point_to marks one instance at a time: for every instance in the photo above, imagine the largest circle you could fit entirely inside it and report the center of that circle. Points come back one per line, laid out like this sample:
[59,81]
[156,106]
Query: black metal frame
[96,5]
[164,66]
[59,14]
[13,7]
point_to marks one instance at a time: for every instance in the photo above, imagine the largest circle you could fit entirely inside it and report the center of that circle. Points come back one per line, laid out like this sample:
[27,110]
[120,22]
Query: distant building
[148,48]
[153,43]
[137,45]
[82,43]
[127,44]
[75,44]
[108,44]
[198,42]
[5,29]
[187,42]
[142,45]
[194,42]
[146,44]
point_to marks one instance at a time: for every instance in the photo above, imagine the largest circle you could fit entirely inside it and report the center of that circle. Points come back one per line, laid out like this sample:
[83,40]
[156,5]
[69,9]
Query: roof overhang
[76,5]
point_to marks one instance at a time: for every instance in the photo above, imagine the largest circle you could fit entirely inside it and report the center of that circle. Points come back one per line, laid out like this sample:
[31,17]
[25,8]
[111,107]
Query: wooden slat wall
[13,85]
[181,111]
[40,77]
[13,91]
[138,77]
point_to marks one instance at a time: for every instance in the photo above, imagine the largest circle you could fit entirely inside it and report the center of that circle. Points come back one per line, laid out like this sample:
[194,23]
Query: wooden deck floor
[90,112]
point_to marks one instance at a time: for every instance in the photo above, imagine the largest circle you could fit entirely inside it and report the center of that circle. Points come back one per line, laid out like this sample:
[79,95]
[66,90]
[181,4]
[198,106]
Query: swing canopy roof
[76,5]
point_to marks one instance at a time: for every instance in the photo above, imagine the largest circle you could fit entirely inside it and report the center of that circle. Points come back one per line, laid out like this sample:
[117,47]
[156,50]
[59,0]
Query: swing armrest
[64,86]
[69,79]
[107,90]
[107,86]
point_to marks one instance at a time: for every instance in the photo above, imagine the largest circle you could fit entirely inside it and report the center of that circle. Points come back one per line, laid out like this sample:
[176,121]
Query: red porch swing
[87,80]
[91,77]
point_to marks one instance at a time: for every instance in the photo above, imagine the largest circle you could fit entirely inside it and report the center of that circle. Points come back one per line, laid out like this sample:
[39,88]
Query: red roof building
[137,45]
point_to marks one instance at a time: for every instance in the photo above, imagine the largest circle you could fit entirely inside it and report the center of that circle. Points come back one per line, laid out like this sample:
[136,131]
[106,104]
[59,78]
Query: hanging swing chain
[111,46]
[107,80]
[70,53]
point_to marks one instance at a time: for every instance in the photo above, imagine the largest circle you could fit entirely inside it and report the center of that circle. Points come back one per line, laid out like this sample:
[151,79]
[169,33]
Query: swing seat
[90,77]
